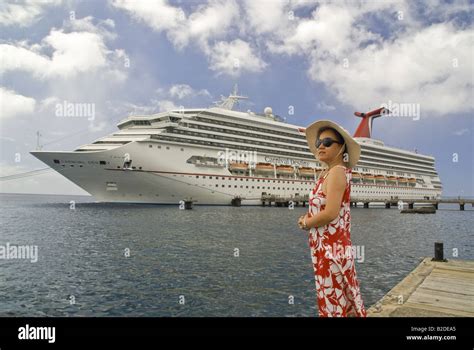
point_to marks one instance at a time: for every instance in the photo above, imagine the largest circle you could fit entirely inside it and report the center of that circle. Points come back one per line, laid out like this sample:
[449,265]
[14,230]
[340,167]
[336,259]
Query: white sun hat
[352,147]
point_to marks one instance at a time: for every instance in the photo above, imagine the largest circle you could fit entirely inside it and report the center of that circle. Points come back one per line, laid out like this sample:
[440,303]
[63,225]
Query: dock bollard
[236,202]
[439,252]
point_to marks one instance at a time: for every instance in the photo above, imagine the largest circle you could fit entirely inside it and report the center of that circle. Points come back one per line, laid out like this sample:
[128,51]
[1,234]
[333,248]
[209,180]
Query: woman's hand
[301,222]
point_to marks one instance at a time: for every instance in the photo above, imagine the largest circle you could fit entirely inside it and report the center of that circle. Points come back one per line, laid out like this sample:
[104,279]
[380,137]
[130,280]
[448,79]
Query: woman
[329,221]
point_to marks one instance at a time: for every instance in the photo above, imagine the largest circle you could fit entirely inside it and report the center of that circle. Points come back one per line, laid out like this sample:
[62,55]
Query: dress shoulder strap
[342,166]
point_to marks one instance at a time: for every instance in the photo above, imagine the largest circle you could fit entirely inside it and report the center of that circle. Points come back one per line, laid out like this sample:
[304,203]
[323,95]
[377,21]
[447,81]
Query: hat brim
[352,147]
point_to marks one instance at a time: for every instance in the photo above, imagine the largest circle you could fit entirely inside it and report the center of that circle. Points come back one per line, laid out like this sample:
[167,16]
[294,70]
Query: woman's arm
[336,185]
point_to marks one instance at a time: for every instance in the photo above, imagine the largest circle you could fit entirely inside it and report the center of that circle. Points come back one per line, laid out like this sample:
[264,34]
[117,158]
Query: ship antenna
[38,143]
[231,100]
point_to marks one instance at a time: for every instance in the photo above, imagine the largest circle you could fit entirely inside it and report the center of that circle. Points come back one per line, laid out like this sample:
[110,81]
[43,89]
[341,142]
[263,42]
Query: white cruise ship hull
[163,176]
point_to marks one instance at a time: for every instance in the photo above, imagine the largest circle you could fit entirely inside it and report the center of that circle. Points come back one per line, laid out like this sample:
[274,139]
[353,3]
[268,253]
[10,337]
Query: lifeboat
[264,168]
[356,176]
[412,180]
[306,171]
[285,169]
[403,180]
[391,180]
[369,177]
[237,166]
[380,178]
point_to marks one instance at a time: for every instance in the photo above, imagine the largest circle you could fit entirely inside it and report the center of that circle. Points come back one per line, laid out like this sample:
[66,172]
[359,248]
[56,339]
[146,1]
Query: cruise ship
[211,156]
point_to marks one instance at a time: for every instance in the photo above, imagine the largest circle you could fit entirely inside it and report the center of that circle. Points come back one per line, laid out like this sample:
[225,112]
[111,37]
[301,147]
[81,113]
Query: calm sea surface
[147,260]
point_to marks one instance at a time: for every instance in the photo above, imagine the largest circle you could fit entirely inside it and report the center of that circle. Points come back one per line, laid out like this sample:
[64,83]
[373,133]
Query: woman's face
[328,154]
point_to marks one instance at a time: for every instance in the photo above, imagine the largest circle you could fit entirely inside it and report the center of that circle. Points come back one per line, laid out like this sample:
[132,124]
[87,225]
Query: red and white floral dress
[337,287]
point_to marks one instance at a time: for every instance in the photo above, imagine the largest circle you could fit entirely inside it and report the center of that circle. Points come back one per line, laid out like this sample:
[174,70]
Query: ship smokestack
[365,127]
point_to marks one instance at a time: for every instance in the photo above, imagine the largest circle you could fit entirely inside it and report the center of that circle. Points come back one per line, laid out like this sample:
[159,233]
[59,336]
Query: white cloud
[417,60]
[157,14]
[263,17]
[181,91]
[413,62]
[24,13]
[102,27]
[232,58]
[166,105]
[72,53]
[432,67]
[325,107]
[48,103]
[13,104]
[206,23]
[164,100]
[19,58]
[212,21]
[75,52]
[331,30]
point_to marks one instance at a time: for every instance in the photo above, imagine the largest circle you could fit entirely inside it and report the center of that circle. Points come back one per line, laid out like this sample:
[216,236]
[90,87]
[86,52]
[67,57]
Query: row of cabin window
[241,179]
[269,188]
[167,147]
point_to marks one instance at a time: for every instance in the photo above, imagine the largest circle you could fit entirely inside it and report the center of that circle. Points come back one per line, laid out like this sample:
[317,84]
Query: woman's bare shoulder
[337,170]
[337,175]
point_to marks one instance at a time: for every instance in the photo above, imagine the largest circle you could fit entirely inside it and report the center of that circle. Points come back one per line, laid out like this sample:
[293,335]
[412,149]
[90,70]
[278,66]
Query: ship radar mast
[231,100]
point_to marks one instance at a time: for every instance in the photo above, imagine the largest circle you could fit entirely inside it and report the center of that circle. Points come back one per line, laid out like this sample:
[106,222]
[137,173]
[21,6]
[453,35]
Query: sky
[308,60]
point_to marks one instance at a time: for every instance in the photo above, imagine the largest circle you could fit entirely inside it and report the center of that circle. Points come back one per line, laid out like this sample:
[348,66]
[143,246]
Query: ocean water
[147,260]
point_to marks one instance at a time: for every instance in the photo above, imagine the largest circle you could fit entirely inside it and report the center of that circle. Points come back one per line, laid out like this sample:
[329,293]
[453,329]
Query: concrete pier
[411,202]
[284,201]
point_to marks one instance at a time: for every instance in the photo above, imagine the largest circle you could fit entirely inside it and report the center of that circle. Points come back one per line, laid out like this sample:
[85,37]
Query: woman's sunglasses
[327,142]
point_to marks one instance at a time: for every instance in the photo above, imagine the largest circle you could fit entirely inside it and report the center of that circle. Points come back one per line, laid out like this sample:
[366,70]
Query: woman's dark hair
[339,137]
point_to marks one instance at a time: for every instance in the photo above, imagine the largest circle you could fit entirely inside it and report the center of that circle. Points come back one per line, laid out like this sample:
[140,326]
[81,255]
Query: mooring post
[439,252]
[236,201]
